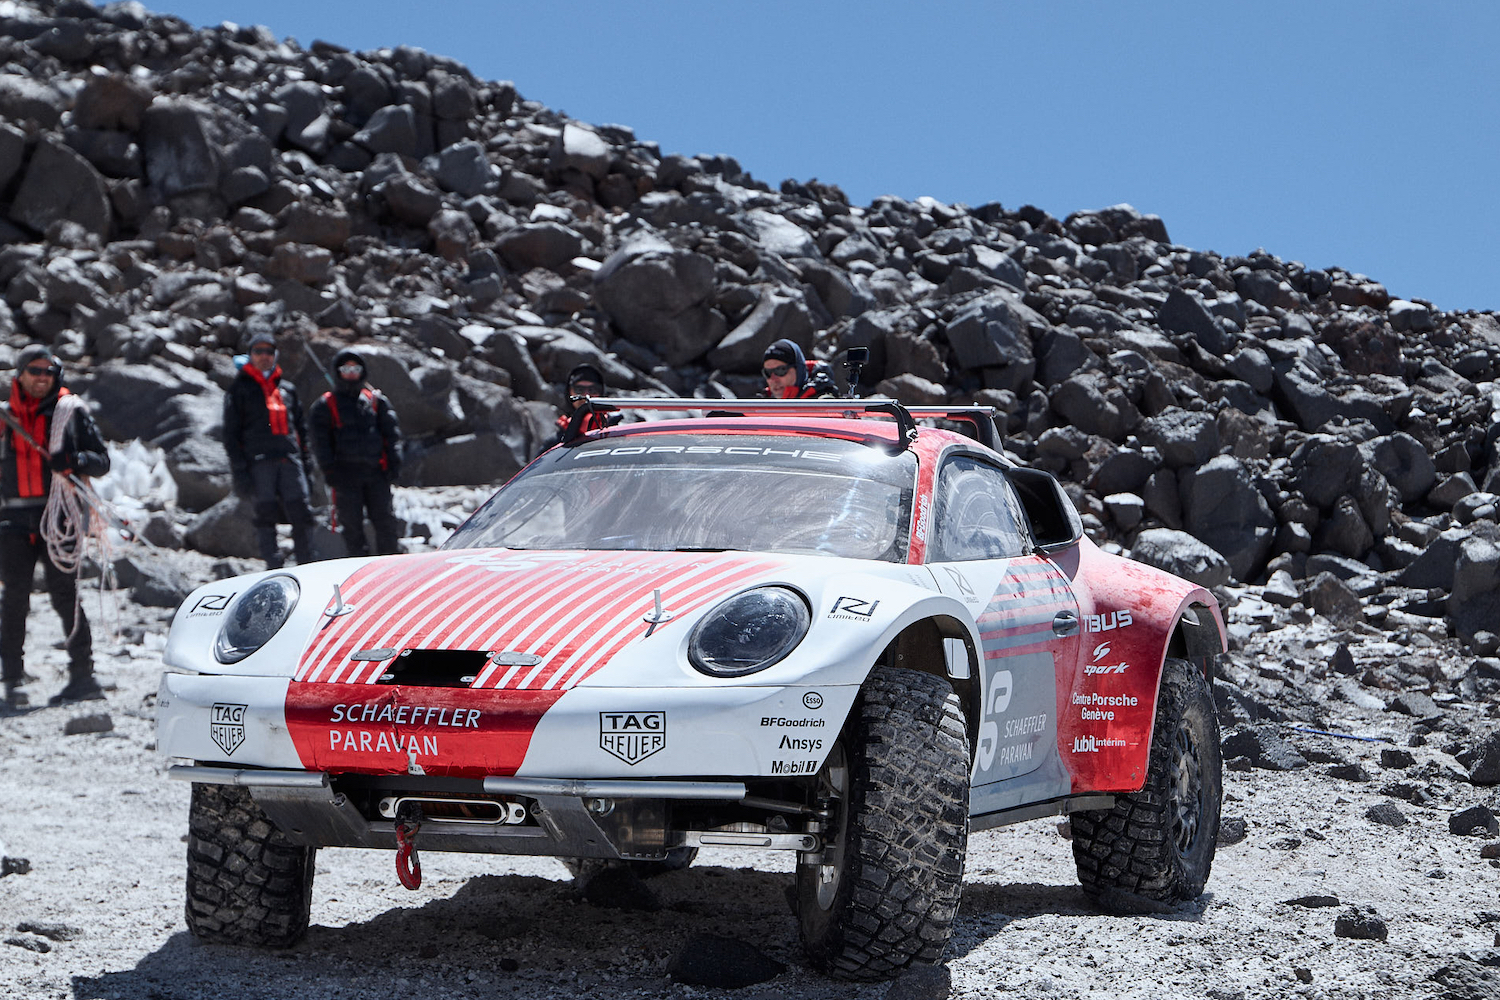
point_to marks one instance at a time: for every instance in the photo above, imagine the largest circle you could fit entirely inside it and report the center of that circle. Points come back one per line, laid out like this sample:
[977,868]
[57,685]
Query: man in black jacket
[266,439]
[42,413]
[356,439]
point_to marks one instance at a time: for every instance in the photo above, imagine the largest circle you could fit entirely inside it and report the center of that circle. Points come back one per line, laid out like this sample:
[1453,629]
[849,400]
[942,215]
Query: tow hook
[408,865]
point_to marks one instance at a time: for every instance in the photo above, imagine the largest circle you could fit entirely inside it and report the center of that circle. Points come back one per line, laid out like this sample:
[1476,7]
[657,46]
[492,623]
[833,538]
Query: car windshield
[705,492]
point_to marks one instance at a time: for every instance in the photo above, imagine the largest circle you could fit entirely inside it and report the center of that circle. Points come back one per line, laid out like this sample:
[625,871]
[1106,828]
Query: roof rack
[986,432]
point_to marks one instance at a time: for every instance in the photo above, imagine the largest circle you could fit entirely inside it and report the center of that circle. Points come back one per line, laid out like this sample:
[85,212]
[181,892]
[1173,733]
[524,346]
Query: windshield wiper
[704,548]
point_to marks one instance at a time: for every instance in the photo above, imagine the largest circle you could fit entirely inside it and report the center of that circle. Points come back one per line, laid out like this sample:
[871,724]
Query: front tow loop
[408,865]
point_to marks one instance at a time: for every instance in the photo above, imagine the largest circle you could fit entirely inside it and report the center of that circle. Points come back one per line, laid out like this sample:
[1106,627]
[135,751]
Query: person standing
[356,438]
[266,440]
[48,432]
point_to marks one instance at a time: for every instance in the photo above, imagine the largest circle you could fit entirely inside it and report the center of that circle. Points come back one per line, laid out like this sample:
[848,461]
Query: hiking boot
[15,698]
[78,689]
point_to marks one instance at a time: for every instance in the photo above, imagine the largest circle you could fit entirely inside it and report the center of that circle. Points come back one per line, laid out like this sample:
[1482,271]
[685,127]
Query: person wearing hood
[41,411]
[266,440]
[584,381]
[356,439]
[789,375]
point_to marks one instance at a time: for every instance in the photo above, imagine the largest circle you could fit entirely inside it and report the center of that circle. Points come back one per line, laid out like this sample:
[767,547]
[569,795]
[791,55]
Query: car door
[982,554]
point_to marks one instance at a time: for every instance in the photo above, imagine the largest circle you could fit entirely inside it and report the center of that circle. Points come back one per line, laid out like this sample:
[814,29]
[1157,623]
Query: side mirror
[1055,523]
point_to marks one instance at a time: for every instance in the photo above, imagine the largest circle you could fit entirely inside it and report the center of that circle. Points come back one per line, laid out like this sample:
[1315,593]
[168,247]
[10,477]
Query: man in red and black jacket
[266,440]
[58,421]
[356,439]
[789,375]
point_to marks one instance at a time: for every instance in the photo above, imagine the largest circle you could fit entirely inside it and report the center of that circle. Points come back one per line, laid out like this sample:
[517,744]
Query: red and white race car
[805,626]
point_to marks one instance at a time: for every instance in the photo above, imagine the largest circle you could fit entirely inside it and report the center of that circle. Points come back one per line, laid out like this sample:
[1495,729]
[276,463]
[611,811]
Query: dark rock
[1265,749]
[1415,704]
[225,529]
[158,584]
[992,331]
[716,962]
[1096,405]
[541,244]
[1232,830]
[1386,814]
[94,722]
[1478,820]
[61,185]
[620,888]
[1312,902]
[486,458]
[658,297]
[1332,598]
[1222,507]
[1361,923]
[1396,759]
[50,931]
[1485,769]
[1348,772]
[1179,553]
[391,129]
[776,316]
[1474,604]
[29,944]
[1183,437]
[1434,565]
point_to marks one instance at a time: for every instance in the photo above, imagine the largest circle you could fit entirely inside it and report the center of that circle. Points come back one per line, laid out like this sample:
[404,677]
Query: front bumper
[582,734]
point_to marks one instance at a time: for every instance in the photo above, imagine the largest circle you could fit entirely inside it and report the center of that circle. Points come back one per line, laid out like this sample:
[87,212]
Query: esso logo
[812,700]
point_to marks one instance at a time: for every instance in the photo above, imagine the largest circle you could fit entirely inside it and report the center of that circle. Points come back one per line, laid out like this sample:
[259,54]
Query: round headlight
[255,617]
[749,632]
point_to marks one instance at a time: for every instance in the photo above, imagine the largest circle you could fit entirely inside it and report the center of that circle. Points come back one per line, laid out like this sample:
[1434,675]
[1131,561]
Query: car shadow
[987,909]
[519,934]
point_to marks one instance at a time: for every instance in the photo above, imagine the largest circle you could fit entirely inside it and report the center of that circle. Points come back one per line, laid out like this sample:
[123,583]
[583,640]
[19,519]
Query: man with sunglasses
[266,440]
[41,412]
[789,375]
[584,381]
[356,439]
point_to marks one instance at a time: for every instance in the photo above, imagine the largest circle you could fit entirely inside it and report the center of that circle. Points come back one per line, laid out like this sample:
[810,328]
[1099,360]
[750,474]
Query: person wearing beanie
[584,381]
[789,375]
[356,439]
[266,440]
[47,431]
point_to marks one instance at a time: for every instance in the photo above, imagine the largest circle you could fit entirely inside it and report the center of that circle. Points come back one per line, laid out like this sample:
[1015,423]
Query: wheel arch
[922,646]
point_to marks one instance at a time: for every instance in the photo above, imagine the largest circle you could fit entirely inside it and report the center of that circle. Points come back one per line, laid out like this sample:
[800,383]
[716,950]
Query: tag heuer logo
[228,727]
[632,736]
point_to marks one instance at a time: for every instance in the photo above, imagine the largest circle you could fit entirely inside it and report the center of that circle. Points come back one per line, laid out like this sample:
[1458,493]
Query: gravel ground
[100,912]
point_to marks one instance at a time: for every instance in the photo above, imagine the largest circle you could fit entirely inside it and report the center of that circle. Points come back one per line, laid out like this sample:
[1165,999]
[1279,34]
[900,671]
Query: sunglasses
[780,372]
[38,371]
[262,350]
[350,369]
[584,388]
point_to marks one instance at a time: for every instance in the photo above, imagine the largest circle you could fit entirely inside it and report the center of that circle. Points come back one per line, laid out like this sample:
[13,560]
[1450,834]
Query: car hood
[545,620]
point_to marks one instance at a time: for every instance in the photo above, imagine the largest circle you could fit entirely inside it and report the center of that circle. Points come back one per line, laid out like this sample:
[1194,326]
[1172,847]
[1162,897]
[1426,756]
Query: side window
[978,515]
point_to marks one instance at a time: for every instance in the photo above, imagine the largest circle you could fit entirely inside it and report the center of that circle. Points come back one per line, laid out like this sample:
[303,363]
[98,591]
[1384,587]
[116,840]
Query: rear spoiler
[986,432]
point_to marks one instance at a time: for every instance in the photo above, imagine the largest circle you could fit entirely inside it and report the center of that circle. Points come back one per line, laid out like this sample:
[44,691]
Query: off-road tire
[1154,849]
[899,834]
[246,882]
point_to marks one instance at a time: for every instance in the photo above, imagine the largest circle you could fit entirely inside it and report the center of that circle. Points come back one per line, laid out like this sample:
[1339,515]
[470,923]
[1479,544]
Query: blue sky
[1364,135]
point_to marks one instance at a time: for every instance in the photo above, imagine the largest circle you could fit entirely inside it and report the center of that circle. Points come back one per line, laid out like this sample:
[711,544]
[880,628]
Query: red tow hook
[408,865]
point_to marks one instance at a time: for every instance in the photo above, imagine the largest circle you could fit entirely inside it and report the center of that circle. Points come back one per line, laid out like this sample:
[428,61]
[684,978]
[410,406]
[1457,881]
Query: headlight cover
[749,632]
[255,617]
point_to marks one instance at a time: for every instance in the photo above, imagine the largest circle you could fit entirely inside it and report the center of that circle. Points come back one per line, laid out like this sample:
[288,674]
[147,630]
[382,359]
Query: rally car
[807,626]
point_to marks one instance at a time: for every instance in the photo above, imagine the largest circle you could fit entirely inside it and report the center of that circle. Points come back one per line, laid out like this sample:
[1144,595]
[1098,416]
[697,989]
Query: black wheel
[246,882]
[897,781]
[1154,849]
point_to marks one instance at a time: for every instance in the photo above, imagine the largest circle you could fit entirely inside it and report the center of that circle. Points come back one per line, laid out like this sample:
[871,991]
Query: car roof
[882,423]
